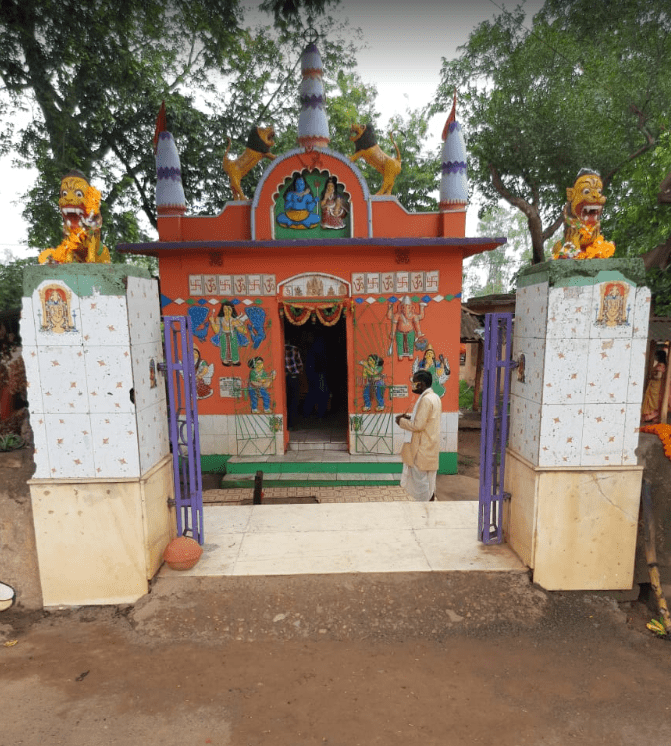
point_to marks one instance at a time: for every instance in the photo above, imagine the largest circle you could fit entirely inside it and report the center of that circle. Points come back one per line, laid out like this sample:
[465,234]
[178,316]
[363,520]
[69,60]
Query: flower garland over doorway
[327,312]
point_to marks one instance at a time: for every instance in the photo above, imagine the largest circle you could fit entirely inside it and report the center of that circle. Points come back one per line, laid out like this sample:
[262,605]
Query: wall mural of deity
[312,201]
[613,309]
[56,315]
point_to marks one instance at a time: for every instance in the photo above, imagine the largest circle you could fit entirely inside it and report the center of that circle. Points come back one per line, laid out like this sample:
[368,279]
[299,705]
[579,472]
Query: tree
[11,281]
[494,271]
[577,89]
[95,75]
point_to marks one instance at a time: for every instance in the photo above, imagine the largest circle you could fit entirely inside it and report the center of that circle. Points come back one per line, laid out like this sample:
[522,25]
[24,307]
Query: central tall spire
[313,125]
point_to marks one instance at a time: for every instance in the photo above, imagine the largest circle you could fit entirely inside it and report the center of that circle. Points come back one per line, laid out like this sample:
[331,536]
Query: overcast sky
[406,41]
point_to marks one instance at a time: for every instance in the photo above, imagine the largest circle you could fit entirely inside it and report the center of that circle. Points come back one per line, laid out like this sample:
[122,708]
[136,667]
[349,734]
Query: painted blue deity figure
[300,207]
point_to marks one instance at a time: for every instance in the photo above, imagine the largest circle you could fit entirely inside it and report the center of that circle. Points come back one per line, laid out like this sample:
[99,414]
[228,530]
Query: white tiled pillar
[92,344]
[572,473]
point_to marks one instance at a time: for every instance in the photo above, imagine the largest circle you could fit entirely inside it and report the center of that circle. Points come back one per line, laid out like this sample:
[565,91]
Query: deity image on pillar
[300,207]
[613,308]
[405,329]
[56,310]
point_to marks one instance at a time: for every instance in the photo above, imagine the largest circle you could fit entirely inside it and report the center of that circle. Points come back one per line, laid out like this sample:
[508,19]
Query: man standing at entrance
[422,440]
[293,367]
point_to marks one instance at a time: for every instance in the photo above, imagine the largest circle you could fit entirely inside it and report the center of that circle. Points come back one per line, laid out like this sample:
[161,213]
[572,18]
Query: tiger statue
[79,203]
[582,221]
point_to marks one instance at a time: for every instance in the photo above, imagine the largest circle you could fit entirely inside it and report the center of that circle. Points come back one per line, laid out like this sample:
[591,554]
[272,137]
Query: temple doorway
[317,393]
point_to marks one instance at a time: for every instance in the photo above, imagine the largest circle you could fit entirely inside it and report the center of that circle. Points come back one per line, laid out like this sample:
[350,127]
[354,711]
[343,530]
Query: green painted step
[321,467]
[230,482]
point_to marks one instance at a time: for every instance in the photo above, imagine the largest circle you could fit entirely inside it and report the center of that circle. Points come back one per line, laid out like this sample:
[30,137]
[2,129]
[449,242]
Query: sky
[406,42]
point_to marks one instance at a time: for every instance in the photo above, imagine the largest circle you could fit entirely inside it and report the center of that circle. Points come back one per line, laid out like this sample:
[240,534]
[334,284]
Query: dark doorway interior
[322,384]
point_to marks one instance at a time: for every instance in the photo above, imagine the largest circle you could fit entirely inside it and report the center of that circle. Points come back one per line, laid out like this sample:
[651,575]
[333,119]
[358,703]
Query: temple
[365,290]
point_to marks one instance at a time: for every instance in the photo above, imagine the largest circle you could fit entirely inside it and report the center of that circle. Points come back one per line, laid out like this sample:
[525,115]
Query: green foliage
[578,89]
[11,442]
[11,281]
[95,74]
[466,395]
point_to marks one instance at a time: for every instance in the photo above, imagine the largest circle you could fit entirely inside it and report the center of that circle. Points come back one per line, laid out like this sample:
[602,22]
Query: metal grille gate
[498,365]
[183,423]
[372,425]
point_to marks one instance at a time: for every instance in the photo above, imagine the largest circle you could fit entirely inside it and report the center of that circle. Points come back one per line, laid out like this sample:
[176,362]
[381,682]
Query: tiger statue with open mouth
[79,203]
[582,221]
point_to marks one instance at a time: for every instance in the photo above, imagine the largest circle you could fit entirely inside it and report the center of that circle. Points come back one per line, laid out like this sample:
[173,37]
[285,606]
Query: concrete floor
[389,537]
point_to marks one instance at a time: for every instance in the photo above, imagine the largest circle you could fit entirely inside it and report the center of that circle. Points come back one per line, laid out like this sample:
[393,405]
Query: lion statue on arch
[366,147]
[259,143]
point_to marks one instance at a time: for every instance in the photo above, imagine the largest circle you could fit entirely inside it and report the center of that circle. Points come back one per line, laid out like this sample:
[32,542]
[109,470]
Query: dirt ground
[425,659]
[573,669]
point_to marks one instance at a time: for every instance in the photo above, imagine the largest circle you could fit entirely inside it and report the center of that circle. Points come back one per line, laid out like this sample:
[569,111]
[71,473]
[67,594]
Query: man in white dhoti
[422,440]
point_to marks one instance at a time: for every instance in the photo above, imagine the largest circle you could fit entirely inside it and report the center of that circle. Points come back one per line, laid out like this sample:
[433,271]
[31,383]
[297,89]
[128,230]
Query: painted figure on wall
[300,207]
[405,328]
[582,221]
[56,310]
[655,391]
[259,383]
[227,326]
[439,369]
[613,307]
[204,373]
[373,382]
[332,205]
[79,203]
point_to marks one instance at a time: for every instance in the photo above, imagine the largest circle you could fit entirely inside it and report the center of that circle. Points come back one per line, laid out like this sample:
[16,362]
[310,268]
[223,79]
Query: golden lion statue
[365,142]
[582,221]
[80,207]
[259,142]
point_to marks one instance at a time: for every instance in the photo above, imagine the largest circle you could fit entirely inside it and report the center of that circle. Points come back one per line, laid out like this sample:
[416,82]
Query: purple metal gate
[183,419]
[498,365]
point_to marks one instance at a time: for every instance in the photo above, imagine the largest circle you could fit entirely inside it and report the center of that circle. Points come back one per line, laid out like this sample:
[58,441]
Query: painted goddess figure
[227,325]
[333,207]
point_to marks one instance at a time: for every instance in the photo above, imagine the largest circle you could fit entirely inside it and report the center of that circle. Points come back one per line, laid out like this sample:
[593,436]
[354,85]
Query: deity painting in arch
[373,382]
[333,205]
[300,207]
[259,382]
[228,326]
[439,369]
[613,310]
[204,373]
[405,329]
[56,309]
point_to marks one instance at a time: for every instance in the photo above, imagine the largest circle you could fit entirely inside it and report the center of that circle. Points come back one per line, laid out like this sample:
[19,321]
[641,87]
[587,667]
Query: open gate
[498,365]
[183,422]
[372,423]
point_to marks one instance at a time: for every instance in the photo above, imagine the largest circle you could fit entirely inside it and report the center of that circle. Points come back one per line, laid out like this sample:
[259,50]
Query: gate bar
[183,421]
[498,365]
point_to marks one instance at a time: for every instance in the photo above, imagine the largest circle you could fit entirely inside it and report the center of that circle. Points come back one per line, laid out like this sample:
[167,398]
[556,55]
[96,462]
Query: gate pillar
[103,474]
[580,343]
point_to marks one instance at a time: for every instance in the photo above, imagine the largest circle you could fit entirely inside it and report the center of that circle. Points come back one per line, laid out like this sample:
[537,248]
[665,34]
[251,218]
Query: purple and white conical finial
[170,198]
[313,125]
[453,179]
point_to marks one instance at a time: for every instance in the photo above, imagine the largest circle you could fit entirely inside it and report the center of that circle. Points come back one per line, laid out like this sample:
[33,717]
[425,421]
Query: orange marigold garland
[664,434]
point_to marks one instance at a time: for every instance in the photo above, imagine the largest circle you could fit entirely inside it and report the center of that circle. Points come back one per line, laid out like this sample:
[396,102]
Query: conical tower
[313,125]
[170,198]
[453,180]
